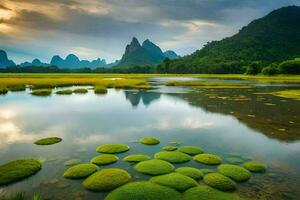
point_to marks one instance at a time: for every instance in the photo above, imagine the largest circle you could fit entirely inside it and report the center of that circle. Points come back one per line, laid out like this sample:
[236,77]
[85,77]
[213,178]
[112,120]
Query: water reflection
[135,97]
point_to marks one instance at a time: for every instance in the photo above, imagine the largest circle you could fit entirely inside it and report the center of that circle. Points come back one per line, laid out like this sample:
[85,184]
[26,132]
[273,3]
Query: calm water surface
[220,125]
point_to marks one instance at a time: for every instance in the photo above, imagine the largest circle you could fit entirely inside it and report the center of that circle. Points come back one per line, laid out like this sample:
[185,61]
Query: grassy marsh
[291,94]
[42,92]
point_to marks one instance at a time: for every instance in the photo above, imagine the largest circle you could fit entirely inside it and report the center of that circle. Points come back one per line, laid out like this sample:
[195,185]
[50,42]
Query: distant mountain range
[4,61]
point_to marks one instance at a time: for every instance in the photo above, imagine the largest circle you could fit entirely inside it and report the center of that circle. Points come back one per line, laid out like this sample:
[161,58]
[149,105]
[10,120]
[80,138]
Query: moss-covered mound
[100,90]
[80,91]
[175,180]
[80,171]
[192,150]
[72,162]
[149,141]
[143,191]
[42,92]
[16,88]
[107,179]
[64,92]
[17,170]
[104,159]
[190,172]
[234,172]
[254,166]
[3,91]
[173,156]
[154,167]
[219,181]
[169,148]
[136,158]
[112,148]
[208,159]
[203,192]
[48,141]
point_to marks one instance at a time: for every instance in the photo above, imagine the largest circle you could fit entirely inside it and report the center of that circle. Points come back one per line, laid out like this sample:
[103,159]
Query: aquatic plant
[154,167]
[291,94]
[80,171]
[112,148]
[255,166]
[72,162]
[150,141]
[17,170]
[190,172]
[36,197]
[203,192]
[169,148]
[64,92]
[234,172]
[41,92]
[219,181]
[175,180]
[48,141]
[18,196]
[136,158]
[104,159]
[107,179]
[208,159]
[3,91]
[100,90]
[16,88]
[173,156]
[192,150]
[143,190]
[80,91]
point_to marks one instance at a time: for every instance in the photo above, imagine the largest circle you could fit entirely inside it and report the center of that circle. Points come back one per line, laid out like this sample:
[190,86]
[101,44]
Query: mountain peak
[135,42]
[4,61]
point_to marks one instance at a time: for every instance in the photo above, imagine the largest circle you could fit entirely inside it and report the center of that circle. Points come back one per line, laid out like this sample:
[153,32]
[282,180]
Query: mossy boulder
[80,91]
[175,180]
[173,156]
[112,148]
[100,90]
[219,181]
[107,179]
[255,166]
[154,167]
[143,190]
[104,159]
[204,192]
[48,141]
[17,170]
[150,141]
[42,92]
[72,162]
[234,172]
[190,172]
[64,92]
[169,148]
[80,171]
[192,150]
[208,159]
[136,158]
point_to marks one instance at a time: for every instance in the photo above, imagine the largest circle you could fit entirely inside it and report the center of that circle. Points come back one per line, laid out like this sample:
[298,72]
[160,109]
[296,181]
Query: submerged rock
[192,150]
[80,171]
[255,166]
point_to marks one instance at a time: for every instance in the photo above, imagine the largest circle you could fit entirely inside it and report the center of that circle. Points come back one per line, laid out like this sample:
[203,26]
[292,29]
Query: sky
[101,28]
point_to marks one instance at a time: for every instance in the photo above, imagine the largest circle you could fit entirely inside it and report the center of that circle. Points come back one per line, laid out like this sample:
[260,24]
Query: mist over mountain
[4,61]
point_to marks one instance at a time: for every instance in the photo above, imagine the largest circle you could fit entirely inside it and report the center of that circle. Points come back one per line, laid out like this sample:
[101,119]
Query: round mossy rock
[175,180]
[80,91]
[203,192]
[192,150]
[143,190]
[154,167]
[72,162]
[169,148]
[112,148]
[234,172]
[80,171]
[173,156]
[190,172]
[254,166]
[106,179]
[136,158]
[149,141]
[104,159]
[17,170]
[208,159]
[219,181]
[48,141]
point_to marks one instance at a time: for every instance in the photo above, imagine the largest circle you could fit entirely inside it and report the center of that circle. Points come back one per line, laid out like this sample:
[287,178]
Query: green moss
[254,166]
[72,162]
[207,171]
[150,141]
[192,150]
[80,171]
[136,158]
[234,172]
[64,92]
[48,141]
[17,170]
[219,181]
[169,148]
[107,179]
[3,91]
[154,167]
[143,191]
[18,196]
[42,92]
[16,88]
[112,148]
[173,156]
[291,94]
[234,160]
[208,159]
[203,192]
[80,91]
[175,180]
[100,90]
[190,172]
[104,159]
